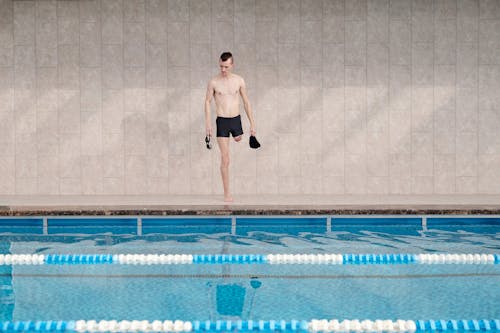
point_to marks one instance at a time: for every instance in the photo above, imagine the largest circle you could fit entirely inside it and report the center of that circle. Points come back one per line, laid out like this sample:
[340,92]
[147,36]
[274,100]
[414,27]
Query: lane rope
[273,259]
[313,326]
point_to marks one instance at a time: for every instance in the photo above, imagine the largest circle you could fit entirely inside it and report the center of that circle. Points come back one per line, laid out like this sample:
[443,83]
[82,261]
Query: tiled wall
[354,96]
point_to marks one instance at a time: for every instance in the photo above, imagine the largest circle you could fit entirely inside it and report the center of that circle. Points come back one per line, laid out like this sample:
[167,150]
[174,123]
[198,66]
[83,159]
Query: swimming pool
[240,273]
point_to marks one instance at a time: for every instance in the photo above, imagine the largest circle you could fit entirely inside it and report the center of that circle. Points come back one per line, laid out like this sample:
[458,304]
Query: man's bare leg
[224,166]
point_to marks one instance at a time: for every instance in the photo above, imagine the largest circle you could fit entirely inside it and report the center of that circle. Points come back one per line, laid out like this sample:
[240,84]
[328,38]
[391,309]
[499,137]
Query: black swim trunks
[229,125]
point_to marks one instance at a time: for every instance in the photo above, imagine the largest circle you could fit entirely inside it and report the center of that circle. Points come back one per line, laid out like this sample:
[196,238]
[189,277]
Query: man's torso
[226,95]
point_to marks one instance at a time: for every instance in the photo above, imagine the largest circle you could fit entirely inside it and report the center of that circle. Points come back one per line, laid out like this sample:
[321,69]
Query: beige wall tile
[179,176]
[378,21]
[466,185]
[267,174]
[423,185]
[489,9]
[135,174]
[444,170]
[113,186]
[333,185]
[400,42]
[289,185]
[201,186]
[48,186]
[91,133]
[355,174]
[466,165]
[488,181]
[377,64]
[422,165]
[266,10]
[112,66]
[355,43]
[400,186]
[24,22]
[112,21]
[400,9]
[92,175]
[26,186]
[245,184]
[89,11]
[70,186]
[90,44]
[445,40]
[113,155]
[7,133]
[377,185]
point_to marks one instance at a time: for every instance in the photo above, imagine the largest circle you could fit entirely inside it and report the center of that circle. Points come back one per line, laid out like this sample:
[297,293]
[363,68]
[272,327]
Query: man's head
[226,63]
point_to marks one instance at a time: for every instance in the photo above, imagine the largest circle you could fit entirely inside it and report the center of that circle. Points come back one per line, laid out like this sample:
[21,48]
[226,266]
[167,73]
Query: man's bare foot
[228,198]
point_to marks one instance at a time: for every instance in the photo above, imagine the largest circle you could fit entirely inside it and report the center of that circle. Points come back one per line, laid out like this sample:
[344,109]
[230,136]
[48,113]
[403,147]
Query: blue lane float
[274,259]
[229,259]
[379,259]
[313,326]
[78,259]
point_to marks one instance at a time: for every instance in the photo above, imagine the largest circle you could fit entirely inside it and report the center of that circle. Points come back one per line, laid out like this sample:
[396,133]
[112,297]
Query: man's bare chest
[224,88]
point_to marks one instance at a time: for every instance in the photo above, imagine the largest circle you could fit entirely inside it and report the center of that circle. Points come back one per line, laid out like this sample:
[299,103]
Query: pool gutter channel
[329,220]
[234,221]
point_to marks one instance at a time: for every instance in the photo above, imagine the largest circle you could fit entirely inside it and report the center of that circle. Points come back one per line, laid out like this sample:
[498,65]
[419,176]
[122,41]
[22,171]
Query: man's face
[226,66]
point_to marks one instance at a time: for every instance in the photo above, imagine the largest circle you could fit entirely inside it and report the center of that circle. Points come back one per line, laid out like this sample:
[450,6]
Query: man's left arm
[246,105]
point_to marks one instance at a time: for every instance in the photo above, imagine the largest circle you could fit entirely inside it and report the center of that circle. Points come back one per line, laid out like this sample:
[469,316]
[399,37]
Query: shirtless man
[225,89]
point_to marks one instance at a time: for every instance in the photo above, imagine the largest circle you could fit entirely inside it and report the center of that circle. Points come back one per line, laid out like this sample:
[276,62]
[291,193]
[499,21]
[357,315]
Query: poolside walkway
[249,204]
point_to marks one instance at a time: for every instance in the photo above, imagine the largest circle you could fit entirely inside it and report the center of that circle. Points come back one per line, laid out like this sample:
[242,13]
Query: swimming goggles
[207,141]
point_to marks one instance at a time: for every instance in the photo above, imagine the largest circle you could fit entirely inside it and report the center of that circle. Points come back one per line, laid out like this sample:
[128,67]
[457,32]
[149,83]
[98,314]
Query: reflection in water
[232,300]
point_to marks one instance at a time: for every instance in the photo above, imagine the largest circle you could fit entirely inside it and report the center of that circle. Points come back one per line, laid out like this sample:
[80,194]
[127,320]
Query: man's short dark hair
[225,56]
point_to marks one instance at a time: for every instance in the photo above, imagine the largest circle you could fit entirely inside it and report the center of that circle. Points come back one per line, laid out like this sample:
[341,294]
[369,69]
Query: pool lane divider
[313,326]
[273,259]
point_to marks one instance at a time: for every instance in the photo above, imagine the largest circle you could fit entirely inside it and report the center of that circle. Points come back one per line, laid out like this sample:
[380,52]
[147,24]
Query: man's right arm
[208,99]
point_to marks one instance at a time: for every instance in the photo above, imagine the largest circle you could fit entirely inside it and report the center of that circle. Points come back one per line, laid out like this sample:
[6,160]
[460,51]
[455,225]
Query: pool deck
[250,205]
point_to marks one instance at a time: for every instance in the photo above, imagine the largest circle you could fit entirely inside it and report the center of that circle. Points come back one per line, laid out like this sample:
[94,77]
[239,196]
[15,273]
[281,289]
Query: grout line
[13,94]
[322,173]
[189,99]
[101,152]
[212,162]
[387,105]
[365,113]
[14,47]
[344,104]
[279,142]
[145,88]
[476,189]
[411,97]
[455,113]
[433,99]
[80,100]
[57,104]
[255,86]
[123,133]
[301,111]
[35,65]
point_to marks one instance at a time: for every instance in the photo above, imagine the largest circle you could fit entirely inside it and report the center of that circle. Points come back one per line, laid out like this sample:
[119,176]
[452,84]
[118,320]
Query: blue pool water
[249,291]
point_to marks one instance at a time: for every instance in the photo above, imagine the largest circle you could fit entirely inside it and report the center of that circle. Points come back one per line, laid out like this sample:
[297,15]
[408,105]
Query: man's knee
[224,162]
